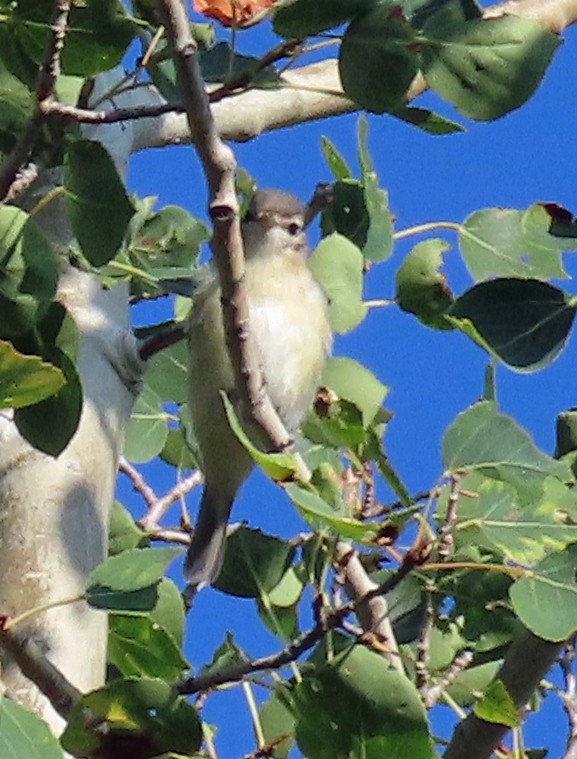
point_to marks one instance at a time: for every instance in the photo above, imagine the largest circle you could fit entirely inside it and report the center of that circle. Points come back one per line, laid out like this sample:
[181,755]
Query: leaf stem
[428,227]
[13,621]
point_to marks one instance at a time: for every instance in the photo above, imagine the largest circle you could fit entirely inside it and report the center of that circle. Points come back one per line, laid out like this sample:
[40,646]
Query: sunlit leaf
[25,380]
[503,242]
[337,265]
[546,599]
[482,439]
[485,67]
[358,706]
[24,734]
[421,288]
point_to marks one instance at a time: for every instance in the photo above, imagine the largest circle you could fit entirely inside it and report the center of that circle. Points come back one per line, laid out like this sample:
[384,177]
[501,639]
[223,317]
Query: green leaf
[347,213]
[378,245]
[13,56]
[482,439]
[167,373]
[337,265]
[335,161]
[25,380]
[98,33]
[161,249]
[133,717]
[281,621]
[134,569]
[221,63]
[406,605]
[50,424]
[278,725]
[503,242]
[23,734]
[16,107]
[358,706]
[278,609]
[471,682]
[546,599]
[427,121]
[307,17]
[177,451]
[124,533]
[147,430]
[28,272]
[497,706]
[337,423]
[95,199]
[485,67]
[316,511]
[140,601]
[490,514]
[377,60]
[421,288]
[169,610]
[140,647]
[524,323]
[277,466]
[254,563]
[355,383]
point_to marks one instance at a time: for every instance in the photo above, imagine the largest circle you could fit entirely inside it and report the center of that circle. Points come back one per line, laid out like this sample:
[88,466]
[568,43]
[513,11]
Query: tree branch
[219,167]
[37,668]
[371,607]
[527,662]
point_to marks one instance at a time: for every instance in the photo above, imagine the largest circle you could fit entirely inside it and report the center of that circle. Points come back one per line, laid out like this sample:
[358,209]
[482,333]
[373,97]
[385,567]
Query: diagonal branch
[219,166]
[37,668]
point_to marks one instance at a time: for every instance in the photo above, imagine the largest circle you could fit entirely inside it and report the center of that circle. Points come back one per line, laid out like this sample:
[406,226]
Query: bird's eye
[294,228]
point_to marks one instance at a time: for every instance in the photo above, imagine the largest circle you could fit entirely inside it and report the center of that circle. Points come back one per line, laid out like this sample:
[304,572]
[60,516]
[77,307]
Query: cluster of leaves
[484,67]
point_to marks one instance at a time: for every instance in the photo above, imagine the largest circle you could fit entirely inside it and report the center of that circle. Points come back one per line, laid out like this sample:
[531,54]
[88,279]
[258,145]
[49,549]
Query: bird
[289,325]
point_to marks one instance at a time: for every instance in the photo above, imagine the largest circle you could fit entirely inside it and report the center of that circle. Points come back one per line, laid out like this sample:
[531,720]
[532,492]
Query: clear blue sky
[529,156]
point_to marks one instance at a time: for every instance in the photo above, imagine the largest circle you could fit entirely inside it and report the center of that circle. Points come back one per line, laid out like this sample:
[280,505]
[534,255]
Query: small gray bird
[289,325]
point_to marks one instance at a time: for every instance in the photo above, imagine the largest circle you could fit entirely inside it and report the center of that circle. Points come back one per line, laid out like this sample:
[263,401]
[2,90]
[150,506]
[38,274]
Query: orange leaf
[230,12]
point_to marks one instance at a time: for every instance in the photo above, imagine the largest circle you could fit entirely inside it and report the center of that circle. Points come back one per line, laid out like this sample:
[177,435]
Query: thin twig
[422,674]
[446,532]
[153,344]
[286,49]
[156,510]
[139,484]
[325,620]
[569,698]
[281,659]
[458,665]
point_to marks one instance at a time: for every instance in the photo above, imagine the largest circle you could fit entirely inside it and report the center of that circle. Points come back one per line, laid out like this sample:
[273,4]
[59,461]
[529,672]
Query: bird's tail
[205,554]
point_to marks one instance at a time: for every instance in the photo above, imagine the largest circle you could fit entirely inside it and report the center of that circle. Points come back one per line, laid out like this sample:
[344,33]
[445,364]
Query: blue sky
[528,156]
